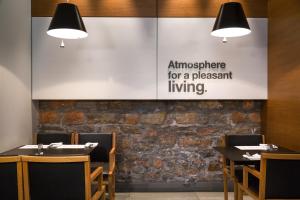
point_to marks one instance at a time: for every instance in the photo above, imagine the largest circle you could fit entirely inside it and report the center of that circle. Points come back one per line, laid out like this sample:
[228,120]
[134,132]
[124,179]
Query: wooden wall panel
[99,8]
[207,8]
[282,110]
[148,8]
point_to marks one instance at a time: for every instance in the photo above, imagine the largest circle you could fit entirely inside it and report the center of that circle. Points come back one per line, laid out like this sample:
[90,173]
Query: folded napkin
[269,146]
[252,157]
[91,144]
[33,147]
[71,146]
[55,145]
[261,148]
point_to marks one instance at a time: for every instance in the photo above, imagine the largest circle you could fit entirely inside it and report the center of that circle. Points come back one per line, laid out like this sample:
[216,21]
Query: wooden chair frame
[34,137]
[261,175]
[96,175]
[111,182]
[17,160]
[229,172]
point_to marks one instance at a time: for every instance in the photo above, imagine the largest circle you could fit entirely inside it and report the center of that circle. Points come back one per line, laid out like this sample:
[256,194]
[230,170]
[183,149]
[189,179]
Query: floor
[175,196]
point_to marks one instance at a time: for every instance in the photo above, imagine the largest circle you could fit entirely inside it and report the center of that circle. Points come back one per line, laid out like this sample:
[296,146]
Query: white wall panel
[189,40]
[116,61]
[15,74]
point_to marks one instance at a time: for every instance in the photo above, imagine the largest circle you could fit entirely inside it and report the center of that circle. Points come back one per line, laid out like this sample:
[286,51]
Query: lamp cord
[62,44]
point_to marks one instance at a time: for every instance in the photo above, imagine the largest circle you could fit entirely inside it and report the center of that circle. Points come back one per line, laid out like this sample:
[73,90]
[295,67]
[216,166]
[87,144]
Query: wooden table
[49,152]
[235,156]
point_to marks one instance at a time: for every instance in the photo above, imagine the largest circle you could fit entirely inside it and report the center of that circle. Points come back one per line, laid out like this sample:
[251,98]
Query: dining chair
[11,182]
[230,169]
[48,138]
[103,155]
[278,178]
[62,178]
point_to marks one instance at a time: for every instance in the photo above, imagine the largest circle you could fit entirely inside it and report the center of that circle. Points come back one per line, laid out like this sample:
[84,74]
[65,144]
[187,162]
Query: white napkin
[55,145]
[33,147]
[252,157]
[268,146]
[260,147]
[71,146]
[91,144]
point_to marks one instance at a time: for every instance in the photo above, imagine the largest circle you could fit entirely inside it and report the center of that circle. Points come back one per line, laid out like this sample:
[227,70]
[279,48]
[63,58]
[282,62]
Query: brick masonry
[158,141]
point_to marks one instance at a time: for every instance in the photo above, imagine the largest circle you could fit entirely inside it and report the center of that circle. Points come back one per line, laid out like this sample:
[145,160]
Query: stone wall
[159,143]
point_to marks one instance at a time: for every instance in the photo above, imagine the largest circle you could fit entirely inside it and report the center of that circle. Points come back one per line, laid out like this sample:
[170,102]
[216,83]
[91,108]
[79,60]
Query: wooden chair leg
[103,189]
[114,186]
[111,187]
[235,185]
[225,186]
[240,193]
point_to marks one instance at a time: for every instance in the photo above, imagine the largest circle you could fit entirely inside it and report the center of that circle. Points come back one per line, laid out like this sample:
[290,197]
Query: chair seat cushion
[8,181]
[95,165]
[101,152]
[48,138]
[247,139]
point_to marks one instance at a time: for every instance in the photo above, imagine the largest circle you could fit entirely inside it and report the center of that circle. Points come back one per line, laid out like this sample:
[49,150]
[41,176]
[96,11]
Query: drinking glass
[40,149]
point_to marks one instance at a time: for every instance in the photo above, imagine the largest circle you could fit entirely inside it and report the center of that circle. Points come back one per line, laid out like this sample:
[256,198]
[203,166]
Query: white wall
[190,42]
[128,58]
[116,61]
[15,73]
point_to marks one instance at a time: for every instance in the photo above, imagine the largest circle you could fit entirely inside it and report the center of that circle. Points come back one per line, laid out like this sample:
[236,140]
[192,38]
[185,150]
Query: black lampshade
[231,21]
[67,23]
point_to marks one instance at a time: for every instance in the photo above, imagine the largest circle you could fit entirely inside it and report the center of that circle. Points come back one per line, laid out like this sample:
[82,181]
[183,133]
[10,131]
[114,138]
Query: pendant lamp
[67,23]
[231,21]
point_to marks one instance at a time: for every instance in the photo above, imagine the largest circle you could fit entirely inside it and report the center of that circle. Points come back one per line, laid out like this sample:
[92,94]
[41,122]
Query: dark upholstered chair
[103,155]
[47,138]
[230,168]
[244,140]
[62,178]
[278,178]
[11,183]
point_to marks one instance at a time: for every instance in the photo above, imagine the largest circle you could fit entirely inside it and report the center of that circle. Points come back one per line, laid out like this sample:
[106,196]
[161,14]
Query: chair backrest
[101,152]
[282,175]
[247,140]
[51,178]
[11,178]
[47,138]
